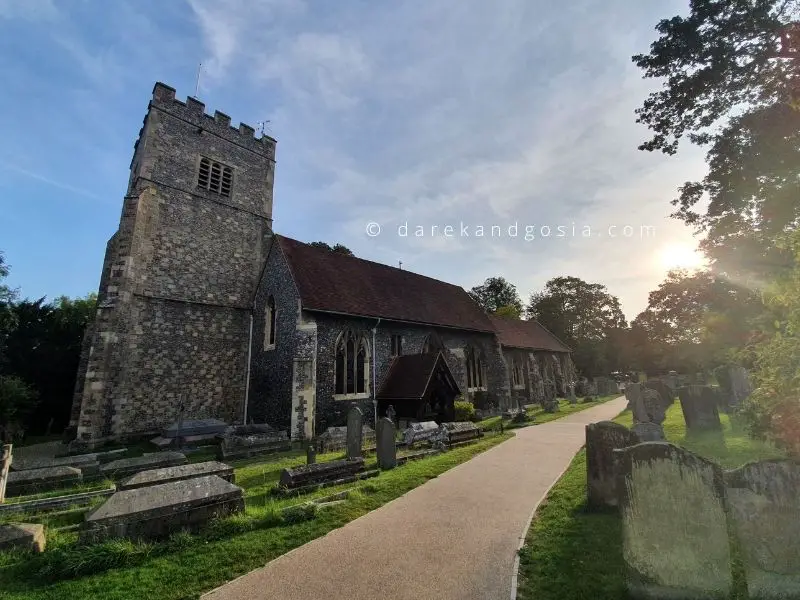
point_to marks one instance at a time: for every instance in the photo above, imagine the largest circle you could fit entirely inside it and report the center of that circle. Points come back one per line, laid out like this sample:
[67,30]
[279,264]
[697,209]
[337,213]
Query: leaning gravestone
[385,444]
[765,508]
[354,432]
[601,440]
[675,533]
[699,404]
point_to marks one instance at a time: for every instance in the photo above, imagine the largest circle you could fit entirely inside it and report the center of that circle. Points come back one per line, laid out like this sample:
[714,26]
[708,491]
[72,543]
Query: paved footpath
[455,537]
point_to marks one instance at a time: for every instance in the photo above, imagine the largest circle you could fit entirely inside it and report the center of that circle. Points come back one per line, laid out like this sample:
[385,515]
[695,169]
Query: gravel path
[455,537]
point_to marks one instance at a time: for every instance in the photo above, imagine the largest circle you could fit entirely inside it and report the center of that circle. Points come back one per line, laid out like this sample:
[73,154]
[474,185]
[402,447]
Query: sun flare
[682,256]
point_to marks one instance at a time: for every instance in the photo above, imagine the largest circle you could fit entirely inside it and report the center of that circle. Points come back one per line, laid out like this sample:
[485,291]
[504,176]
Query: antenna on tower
[401,264]
[263,126]
[197,81]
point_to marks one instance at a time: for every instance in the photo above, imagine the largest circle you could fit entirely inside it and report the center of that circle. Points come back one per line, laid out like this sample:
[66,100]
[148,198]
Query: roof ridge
[374,262]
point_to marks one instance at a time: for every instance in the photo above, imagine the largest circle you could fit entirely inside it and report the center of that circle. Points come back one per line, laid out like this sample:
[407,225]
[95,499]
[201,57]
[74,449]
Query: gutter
[375,372]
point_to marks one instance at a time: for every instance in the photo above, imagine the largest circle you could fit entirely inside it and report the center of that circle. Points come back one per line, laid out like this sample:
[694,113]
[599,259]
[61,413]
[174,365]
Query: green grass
[539,416]
[187,565]
[571,553]
[89,486]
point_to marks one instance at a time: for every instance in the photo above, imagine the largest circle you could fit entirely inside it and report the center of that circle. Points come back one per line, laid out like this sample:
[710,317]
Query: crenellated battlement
[193,110]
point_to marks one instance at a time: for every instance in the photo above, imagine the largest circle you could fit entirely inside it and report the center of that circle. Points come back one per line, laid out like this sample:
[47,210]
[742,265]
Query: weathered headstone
[252,440]
[460,431]
[666,394]
[572,398]
[320,472]
[672,382]
[633,394]
[391,413]
[179,473]
[41,480]
[89,464]
[130,466]
[385,444]
[601,440]
[354,432]
[158,510]
[699,404]
[740,385]
[420,432]
[24,536]
[311,454]
[675,533]
[649,432]
[764,501]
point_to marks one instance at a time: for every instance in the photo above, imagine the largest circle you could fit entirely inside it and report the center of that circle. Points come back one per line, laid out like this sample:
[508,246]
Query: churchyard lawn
[571,553]
[539,416]
[186,565]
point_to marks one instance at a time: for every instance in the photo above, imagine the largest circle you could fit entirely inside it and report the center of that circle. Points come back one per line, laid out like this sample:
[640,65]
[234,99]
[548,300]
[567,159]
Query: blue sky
[425,112]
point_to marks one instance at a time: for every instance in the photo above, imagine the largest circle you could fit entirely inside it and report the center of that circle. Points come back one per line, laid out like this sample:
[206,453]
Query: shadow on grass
[572,552]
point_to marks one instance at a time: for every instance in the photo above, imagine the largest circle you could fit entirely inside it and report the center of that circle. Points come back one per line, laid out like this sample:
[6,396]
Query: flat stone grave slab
[421,432]
[320,472]
[130,466]
[158,510]
[252,440]
[87,463]
[461,431]
[41,480]
[335,438]
[26,536]
[179,473]
[196,427]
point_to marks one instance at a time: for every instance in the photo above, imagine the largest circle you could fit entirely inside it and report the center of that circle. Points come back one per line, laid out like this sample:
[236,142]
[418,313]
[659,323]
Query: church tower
[179,276]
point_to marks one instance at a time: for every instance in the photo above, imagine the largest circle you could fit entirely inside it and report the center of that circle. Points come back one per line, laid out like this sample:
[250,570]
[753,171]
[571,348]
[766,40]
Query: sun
[682,256]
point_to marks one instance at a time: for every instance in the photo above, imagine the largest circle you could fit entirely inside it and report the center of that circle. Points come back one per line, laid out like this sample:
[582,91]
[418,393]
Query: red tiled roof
[529,334]
[332,282]
[410,375]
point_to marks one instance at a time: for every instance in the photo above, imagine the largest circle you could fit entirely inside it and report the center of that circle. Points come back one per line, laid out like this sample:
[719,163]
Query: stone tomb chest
[158,510]
[41,480]
[130,466]
[167,474]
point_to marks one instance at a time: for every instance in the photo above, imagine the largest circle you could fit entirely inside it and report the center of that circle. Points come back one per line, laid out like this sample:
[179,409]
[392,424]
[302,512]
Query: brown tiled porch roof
[409,376]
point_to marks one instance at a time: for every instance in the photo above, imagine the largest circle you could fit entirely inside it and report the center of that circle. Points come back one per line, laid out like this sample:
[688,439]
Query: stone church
[203,308]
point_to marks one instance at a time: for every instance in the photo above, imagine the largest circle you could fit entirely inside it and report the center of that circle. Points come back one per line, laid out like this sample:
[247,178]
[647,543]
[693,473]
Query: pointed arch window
[432,344]
[269,324]
[351,366]
[475,375]
[517,378]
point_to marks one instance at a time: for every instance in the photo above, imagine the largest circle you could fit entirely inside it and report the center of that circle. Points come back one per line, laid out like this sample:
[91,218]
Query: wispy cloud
[28,9]
[49,181]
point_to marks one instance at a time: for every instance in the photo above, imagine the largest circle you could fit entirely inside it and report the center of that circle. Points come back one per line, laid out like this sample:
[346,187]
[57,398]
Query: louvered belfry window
[215,177]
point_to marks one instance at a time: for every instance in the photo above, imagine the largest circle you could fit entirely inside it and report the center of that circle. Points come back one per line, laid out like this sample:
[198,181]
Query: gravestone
[666,394]
[648,412]
[41,480]
[311,454]
[385,444]
[320,472]
[252,440]
[179,473]
[420,432]
[740,385]
[89,464]
[764,501]
[156,511]
[699,404]
[601,440]
[572,398]
[391,413]
[22,536]
[633,394]
[125,467]
[675,532]
[672,382]
[332,439]
[648,432]
[354,432]
[460,431]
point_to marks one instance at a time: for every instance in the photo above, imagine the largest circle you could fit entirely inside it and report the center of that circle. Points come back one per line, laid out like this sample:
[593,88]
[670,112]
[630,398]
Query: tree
[695,321]
[496,293]
[17,402]
[338,248]
[726,87]
[509,312]
[585,317]
[7,297]
[43,351]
